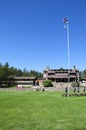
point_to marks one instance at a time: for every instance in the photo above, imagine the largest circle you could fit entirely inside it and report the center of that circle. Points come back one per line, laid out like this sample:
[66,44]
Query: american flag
[65,20]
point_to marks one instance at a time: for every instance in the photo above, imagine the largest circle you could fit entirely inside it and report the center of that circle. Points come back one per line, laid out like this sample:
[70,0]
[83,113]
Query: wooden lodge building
[61,75]
[23,80]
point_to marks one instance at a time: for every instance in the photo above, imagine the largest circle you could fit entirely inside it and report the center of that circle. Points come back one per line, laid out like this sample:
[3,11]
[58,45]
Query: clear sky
[32,33]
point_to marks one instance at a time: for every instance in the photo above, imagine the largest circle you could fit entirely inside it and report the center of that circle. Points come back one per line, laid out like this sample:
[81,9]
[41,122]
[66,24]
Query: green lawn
[21,110]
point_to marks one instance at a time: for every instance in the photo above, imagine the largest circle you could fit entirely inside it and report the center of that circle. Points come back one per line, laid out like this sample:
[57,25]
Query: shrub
[47,83]
[66,95]
[75,84]
[74,94]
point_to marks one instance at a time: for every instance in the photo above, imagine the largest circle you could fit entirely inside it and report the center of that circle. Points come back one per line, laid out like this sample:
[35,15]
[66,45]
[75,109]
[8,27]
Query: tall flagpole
[68,45]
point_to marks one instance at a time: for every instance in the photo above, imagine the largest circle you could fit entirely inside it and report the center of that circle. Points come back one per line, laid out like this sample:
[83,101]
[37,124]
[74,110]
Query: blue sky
[32,33]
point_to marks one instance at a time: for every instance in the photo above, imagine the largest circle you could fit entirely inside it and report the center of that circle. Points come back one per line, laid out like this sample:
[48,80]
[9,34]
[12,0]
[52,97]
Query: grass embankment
[41,111]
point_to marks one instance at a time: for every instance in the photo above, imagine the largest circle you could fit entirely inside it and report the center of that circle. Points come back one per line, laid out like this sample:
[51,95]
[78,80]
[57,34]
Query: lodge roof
[24,77]
[61,70]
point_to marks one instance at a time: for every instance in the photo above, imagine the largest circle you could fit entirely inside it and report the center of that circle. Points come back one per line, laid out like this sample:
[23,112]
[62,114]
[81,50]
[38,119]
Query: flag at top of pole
[65,20]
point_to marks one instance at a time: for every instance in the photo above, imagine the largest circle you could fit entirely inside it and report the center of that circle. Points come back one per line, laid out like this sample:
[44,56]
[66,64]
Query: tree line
[6,72]
[82,74]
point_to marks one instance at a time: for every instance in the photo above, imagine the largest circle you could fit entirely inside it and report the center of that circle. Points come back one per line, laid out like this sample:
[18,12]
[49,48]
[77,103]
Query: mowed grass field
[21,110]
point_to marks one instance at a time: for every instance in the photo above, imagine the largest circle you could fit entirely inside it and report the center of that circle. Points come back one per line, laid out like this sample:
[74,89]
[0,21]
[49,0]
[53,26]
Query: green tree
[4,71]
[39,75]
[84,74]
[32,73]
[80,75]
[61,69]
